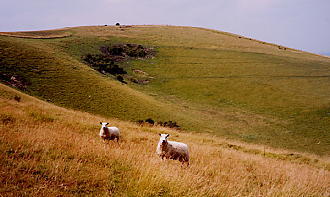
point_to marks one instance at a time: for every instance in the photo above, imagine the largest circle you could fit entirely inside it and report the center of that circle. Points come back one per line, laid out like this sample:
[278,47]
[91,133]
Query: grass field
[51,151]
[207,81]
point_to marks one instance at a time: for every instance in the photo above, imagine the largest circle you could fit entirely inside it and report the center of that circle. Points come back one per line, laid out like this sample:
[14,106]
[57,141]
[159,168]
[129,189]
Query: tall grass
[51,151]
[206,81]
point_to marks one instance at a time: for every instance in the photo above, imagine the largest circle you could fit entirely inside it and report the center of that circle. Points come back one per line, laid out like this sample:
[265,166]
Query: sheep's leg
[182,164]
[186,159]
[105,143]
[183,160]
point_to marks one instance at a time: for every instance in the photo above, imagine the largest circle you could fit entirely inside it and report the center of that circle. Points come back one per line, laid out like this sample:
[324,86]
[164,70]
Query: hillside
[47,150]
[207,81]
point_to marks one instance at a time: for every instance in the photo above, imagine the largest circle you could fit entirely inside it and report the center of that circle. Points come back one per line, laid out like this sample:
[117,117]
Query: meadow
[207,81]
[47,150]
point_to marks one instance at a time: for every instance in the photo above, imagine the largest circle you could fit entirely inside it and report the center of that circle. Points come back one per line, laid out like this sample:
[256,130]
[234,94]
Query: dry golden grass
[49,34]
[51,151]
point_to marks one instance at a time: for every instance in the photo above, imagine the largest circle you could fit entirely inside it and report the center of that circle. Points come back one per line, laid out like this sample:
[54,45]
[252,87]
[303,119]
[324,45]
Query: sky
[299,24]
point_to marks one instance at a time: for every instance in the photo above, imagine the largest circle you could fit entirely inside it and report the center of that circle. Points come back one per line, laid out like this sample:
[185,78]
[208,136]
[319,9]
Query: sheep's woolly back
[109,133]
[173,150]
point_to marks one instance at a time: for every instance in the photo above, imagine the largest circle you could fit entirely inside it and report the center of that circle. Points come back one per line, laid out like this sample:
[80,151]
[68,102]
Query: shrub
[103,64]
[106,62]
[169,124]
[121,79]
[150,121]
[6,119]
[17,98]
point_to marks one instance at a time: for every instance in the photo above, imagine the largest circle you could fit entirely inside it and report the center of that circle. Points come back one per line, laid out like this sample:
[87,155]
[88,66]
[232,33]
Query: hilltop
[206,81]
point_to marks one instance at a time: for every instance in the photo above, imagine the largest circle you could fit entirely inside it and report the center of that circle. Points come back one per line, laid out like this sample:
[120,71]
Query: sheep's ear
[100,122]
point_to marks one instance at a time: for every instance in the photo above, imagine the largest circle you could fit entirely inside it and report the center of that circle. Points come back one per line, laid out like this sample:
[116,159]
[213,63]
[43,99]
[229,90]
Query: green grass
[207,81]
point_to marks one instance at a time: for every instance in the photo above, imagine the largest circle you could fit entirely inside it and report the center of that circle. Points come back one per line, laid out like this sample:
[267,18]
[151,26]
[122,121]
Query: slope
[207,81]
[51,151]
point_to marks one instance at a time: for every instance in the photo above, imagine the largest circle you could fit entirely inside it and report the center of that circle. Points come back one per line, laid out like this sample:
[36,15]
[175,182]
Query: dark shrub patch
[6,119]
[17,98]
[106,62]
[127,51]
[150,121]
[169,124]
[14,80]
[115,69]
[121,79]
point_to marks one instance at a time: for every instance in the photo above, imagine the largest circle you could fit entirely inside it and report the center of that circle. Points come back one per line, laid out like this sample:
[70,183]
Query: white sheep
[109,133]
[172,150]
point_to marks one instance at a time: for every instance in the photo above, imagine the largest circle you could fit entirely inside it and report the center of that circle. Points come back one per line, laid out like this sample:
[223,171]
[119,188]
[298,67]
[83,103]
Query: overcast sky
[300,24]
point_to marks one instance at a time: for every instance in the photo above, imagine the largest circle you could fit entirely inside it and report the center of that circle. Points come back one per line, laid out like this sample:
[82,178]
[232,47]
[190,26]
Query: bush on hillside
[17,98]
[150,121]
[106,62]
[125,51]
[14,80]
[169,124]
[7,119]
[121,79]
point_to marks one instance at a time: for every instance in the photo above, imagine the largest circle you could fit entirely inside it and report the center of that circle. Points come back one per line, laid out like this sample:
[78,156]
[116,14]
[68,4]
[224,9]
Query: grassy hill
[47,150]
[207,81]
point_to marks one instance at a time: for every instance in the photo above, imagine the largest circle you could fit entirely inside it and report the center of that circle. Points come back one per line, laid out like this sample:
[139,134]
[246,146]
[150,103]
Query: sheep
[172,150]
[109,133]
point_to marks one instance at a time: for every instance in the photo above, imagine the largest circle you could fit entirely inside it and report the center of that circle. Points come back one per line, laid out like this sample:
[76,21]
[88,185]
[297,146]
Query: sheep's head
[104,124]
[163,138]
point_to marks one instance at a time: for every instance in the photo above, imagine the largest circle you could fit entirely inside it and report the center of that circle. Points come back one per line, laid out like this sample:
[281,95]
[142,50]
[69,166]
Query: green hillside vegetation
[207,81]
[46,150]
